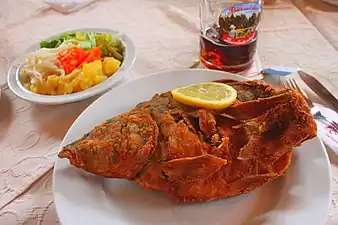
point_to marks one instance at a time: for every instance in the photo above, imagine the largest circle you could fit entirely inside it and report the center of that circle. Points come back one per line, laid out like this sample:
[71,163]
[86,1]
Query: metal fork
[291,83]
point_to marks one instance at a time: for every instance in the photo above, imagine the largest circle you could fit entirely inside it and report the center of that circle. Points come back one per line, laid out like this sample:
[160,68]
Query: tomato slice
[93,54]
[75,57]
[71,58]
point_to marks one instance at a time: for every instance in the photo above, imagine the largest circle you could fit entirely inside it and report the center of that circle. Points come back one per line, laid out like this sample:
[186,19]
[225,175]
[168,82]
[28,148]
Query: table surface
[303,33]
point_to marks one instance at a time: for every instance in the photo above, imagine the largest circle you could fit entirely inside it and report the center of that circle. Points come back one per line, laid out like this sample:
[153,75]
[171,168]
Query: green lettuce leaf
[107,40]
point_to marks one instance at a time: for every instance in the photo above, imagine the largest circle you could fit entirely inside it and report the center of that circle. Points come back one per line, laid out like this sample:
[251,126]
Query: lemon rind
[197,102]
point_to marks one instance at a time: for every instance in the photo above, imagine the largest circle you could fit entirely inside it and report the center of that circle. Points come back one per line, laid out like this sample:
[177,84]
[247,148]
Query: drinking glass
[228,36]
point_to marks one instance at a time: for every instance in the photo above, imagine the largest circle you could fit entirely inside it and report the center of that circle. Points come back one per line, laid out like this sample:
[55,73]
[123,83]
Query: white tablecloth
[30,134]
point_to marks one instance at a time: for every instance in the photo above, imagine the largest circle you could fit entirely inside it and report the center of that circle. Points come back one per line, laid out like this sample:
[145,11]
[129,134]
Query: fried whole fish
[197,155]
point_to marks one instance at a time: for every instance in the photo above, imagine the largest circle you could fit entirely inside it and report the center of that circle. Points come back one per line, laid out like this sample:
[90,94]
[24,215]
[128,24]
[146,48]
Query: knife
[319,89]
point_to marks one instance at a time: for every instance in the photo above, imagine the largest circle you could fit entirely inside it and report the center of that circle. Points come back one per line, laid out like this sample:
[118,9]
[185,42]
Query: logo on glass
[238,23]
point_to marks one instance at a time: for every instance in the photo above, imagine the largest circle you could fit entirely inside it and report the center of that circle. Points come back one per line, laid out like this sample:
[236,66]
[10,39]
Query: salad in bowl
[72,66]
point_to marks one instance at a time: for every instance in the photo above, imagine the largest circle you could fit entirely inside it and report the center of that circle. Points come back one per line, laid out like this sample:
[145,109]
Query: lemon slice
[209,95]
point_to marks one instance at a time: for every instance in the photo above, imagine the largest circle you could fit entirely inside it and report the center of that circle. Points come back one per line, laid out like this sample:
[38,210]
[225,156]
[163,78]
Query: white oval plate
[301,197]
[16,86]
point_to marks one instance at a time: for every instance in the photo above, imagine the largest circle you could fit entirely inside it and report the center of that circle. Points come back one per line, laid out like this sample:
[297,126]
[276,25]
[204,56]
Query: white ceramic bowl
[16,86]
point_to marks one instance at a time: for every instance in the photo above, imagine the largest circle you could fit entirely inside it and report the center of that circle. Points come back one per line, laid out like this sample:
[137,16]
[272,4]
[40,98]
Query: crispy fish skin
[117,148]
[198,155]
[257,149]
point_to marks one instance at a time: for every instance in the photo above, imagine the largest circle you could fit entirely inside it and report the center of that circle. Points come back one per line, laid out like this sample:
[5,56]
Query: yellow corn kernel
[34,89]
[99,79]
[60,89]
[46,89]
[110,65]
[68,89]
[91,82]
[84,83]
[76,85]
[70,77]
[51,84]
[53,79]
[27,86]
[92,69]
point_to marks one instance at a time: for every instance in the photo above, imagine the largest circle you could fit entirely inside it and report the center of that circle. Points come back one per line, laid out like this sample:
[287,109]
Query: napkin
[276,76]
[68,6]
[325,132]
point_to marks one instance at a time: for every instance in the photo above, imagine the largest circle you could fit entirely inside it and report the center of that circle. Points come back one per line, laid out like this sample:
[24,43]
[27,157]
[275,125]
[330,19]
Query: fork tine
[332,124]
[287,83]
[284,83]
[300,89]
[335,126]
[291,82]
